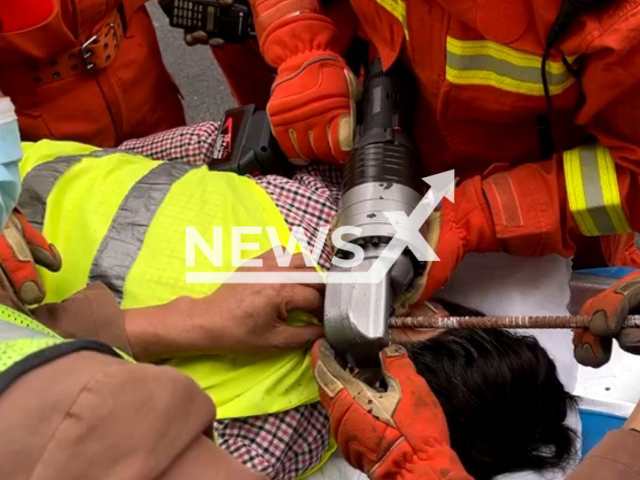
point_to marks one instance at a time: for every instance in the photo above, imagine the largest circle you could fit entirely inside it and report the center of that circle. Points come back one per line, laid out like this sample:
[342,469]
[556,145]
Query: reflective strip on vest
[592,189]
[11,331]
[398,9]
[132,235]
[122,243]
[20,336]
[483,62]
[34,201]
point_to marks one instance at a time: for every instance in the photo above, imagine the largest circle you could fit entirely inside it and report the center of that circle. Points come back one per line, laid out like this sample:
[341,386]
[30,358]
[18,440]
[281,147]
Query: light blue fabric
[613,272]
[596,425]
[10,156]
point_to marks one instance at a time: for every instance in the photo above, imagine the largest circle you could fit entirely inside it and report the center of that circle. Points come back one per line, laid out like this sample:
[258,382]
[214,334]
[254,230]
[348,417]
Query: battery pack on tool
[232,23]
[245,145]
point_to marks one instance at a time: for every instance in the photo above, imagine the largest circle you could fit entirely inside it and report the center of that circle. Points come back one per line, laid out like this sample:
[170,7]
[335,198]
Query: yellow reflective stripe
[575,192]
[493,79]
[592,191]
[487,47]
[483,62]
[398,9]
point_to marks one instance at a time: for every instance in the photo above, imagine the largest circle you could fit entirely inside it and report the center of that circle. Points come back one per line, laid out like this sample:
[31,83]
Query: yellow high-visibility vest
[121,218]
[26,344]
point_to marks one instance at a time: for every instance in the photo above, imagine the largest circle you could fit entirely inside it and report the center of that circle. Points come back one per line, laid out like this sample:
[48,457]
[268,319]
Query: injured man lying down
[505,394]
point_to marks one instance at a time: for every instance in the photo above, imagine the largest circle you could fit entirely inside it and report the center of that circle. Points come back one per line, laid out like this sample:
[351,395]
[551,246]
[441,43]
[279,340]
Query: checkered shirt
[281,446]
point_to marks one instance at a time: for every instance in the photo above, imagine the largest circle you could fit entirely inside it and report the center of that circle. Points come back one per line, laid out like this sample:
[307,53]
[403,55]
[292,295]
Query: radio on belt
[232,23]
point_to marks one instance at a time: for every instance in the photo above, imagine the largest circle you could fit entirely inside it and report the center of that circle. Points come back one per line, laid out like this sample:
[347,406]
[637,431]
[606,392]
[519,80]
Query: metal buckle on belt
[87,52]
[87,48]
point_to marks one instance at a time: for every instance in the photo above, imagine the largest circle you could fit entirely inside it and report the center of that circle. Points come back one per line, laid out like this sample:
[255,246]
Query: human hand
[377,432]
[608,311]
[237,318]
[195,37]
[22,248]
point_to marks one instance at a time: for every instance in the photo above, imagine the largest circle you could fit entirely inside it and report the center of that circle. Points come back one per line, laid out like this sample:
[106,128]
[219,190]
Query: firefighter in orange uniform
[249,77]
[534,103]
[85,70]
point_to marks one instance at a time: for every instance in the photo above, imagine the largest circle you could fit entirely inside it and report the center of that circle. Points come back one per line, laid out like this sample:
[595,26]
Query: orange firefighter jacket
[91,72]
[478,66]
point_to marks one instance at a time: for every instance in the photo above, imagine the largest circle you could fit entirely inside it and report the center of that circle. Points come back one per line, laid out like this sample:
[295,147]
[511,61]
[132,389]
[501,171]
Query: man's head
[504,404]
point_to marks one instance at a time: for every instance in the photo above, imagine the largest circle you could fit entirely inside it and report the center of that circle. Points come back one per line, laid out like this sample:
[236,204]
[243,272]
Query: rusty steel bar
[543,321]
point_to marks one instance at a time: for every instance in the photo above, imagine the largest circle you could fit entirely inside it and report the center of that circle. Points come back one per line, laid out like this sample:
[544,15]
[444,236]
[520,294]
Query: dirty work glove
[377,432]
[608,310]
[312,105]
[22,247]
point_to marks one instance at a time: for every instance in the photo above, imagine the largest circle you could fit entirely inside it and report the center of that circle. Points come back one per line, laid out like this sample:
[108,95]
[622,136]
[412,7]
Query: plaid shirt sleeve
[284,445]
[281,446]
[191,144]
[308,201]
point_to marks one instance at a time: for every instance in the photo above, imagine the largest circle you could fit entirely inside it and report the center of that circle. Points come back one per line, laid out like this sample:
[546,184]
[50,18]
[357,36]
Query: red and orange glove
[608,310]
[457,228]
[378,432]
[312,105]
[22,247]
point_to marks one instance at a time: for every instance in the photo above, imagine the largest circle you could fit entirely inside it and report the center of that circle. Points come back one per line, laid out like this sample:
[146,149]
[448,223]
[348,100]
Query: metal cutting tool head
[381,176]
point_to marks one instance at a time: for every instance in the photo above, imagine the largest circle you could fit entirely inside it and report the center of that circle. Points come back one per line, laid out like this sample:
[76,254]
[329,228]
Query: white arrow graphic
[408,228]
[408,236]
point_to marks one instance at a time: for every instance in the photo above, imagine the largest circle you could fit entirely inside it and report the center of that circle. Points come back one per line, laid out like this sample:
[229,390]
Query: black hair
[504,403]
[569,11]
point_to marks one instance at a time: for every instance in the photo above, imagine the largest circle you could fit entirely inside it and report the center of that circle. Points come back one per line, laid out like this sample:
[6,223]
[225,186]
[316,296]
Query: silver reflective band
[11,331]
[593,192]
[121,244]
[490,64]
[38,183]
[507,69]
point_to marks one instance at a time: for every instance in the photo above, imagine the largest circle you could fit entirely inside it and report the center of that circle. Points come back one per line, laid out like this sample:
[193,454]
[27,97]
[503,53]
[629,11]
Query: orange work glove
[457,228]
[312,105]
[398,434]
[608,310]
[22,247]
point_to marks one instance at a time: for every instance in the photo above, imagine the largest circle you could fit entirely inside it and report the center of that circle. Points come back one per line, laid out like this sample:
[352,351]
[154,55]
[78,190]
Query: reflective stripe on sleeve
[120,246]
[592,190]
[398,9]
[483,62]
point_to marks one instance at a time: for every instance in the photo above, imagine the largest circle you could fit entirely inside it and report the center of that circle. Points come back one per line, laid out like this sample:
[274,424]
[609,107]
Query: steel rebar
[522,321]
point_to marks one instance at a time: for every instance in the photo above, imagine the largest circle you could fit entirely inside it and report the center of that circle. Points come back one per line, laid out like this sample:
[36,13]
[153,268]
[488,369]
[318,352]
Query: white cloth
[337,468]
[500,284]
